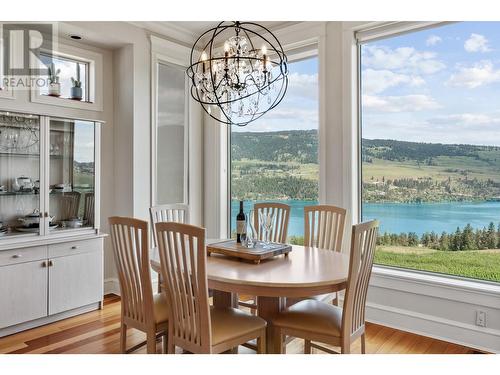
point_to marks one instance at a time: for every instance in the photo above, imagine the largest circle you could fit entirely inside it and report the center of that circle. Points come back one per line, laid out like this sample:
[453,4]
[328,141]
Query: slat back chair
[70,204]
[183,265]
[89,209]
[317,321]
[131,252]
[324,227]
[178,213]
[279,231]
[193,325]
[363,243]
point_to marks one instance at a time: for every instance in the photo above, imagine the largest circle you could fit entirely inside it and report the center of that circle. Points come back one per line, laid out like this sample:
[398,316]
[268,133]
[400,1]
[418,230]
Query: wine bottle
[240,223]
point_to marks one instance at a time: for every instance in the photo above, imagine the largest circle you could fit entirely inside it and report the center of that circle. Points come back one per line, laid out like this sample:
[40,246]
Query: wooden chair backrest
[279,232]
[89,209]
[324,227]
[183,266]
[70,205]
[363,241]
[178,213]
[131,250]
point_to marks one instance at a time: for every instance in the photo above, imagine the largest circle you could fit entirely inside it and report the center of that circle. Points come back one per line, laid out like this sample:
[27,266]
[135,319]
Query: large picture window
[430,150]
[276,157]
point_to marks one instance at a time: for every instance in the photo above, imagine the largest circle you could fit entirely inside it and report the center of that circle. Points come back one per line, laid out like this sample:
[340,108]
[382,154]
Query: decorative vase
[55,89]
[76,93]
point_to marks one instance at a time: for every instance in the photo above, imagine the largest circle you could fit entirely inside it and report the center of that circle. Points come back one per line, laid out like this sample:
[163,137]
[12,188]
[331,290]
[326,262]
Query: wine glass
[251,233]
[266,220]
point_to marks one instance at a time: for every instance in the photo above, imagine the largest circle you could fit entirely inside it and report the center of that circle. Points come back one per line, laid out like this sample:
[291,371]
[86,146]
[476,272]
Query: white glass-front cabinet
[47,175]
[51,251]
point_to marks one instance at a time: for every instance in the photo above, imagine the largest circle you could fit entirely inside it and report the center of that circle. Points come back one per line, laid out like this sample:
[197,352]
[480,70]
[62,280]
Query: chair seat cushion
[230,323]
[311,316]
[160,308]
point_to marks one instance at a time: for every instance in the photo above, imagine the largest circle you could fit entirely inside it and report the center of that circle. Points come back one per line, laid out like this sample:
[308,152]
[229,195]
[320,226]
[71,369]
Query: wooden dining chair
[89,209]
[323,229]
[178,213]
[317,321]
[194,325]
[70,205]
[279,233]
[140,309]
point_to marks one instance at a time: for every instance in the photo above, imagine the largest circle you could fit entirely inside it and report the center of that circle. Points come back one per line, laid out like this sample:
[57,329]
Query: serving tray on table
[255,254]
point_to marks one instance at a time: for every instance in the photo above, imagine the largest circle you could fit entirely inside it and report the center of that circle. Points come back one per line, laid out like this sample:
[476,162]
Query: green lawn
[476,264]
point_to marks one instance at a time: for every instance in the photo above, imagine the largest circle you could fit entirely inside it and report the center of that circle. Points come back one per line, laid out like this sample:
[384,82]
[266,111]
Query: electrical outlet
[480,318]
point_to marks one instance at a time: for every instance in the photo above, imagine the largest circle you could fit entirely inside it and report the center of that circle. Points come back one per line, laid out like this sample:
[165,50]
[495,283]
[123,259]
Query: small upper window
[68,78]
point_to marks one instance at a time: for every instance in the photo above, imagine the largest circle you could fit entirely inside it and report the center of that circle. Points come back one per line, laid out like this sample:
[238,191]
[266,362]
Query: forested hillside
[284,165]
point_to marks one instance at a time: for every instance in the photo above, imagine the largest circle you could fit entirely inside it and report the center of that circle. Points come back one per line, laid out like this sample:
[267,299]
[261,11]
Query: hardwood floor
[99,332]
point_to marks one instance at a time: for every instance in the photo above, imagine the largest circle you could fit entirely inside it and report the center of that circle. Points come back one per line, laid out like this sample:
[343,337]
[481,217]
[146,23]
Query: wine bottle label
[240,226]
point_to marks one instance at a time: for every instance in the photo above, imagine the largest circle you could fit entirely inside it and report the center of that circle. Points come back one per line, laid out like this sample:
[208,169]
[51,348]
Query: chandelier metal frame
[264,74]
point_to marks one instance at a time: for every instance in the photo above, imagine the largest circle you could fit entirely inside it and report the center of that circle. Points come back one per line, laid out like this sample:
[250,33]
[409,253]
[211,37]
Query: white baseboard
[112,286]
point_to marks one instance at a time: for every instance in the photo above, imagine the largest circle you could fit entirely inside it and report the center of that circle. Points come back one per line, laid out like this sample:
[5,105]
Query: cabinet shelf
[16,193]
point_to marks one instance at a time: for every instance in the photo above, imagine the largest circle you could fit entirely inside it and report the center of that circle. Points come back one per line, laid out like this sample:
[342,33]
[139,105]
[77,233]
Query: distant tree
[468,240]
[412,239]
[456,240]
[444,242]
[491,239]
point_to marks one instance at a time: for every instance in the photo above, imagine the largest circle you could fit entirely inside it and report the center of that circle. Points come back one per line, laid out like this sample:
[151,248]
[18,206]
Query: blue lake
[404,217]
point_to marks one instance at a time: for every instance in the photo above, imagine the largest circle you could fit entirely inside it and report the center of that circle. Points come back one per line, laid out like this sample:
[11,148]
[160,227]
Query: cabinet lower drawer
[74,247]
[23,255]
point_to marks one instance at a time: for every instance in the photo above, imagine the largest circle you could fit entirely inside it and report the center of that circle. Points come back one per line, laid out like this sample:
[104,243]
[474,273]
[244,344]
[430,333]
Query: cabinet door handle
[74,247]
[44,264]
[16,256]
[46,214]
[50,263]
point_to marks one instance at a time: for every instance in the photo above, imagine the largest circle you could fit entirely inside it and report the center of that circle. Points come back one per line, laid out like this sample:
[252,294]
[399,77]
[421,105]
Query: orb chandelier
[238,72]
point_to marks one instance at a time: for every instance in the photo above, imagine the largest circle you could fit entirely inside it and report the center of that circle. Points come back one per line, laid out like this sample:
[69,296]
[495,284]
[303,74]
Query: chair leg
[151,342]
[335,301]
[123,338]
[345,348]
[307,346]
[363,344]
[159,283]
[170,344]
[164,344]
[261,342]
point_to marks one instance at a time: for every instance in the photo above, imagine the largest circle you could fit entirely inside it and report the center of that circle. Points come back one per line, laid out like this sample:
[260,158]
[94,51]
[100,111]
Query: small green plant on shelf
[54,85]
[76,90]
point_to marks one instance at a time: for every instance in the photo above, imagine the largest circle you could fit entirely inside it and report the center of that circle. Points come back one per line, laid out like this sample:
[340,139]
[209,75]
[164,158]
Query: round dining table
[304,272]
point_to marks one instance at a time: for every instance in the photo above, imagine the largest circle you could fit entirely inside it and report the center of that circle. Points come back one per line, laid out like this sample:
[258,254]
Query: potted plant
[76,90]
[54,85]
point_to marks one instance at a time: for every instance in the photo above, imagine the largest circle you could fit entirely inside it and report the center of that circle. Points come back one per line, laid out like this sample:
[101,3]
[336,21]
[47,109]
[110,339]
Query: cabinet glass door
[19,175]
[71,176]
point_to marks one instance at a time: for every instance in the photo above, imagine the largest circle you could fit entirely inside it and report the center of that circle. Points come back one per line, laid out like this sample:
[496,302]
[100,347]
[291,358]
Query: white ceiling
[107,34]
[189,31]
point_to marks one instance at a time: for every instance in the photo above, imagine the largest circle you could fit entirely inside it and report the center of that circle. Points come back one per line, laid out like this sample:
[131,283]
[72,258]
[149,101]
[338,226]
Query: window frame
[175,55]
[301,51]
[87,71]
[94,78]
[356,37]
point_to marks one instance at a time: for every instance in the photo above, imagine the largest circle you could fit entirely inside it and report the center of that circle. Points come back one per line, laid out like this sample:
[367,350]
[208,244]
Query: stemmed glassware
[266,221]
[251,233]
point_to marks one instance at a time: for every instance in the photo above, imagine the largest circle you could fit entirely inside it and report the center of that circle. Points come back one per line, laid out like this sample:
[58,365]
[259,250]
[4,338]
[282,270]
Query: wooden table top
[304,272]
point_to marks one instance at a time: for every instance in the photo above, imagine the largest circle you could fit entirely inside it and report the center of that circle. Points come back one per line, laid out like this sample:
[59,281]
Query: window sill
[36,97]
[421,282]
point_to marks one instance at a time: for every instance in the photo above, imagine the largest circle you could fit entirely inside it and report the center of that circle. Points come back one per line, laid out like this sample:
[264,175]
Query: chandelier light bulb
[264,50]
